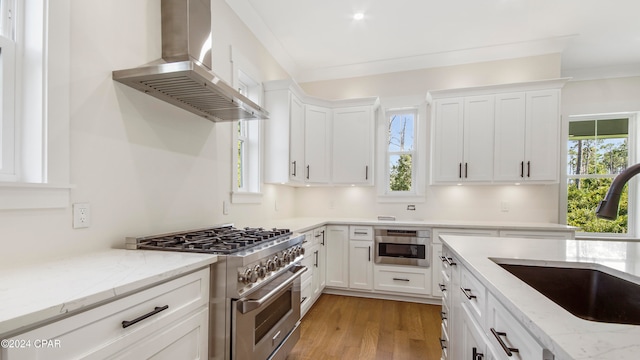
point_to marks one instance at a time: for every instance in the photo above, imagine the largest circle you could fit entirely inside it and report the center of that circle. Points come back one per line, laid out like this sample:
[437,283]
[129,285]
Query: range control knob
[249,276]
[271,265]
[301,250]
[260,271]
[279,262]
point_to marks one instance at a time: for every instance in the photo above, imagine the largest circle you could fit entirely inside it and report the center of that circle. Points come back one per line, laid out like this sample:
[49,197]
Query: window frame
[41,107]
[632,147]
[251,161]
[418,161]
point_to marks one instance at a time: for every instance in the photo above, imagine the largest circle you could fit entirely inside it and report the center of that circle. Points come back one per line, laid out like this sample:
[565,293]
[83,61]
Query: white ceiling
[318,39]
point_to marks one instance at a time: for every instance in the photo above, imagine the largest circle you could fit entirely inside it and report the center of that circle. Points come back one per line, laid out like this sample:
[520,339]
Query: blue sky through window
[401,131]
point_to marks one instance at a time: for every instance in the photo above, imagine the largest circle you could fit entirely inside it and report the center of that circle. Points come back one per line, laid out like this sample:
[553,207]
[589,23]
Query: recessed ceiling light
[358,16]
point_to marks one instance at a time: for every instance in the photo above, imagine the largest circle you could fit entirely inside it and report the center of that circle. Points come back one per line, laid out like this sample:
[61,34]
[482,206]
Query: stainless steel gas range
[254,305]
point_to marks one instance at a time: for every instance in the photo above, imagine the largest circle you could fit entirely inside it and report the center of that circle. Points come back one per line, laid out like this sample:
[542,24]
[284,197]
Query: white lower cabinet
[361,264]
[167,321]
[337,262]
[313,280]
[402,279]
[478,326]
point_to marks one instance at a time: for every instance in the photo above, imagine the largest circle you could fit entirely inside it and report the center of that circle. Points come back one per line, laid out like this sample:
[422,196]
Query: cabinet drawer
[100,330]
[305,295]
[444,316]
[474,295]
[444,343]
[319,235]
[401,280]
[360,233]
[504,332]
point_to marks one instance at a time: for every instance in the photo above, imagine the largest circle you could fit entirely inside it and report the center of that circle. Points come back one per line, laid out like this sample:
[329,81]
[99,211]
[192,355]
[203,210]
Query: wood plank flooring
[345,327]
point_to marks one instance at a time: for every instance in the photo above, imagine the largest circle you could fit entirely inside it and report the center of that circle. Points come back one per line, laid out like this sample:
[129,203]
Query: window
[7,91]
[34,103]
[246,182]
[401,151]
[598,149]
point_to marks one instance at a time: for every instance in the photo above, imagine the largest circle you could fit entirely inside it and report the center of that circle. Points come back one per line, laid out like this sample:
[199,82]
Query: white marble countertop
[564,334]
[37,293]
[306,224]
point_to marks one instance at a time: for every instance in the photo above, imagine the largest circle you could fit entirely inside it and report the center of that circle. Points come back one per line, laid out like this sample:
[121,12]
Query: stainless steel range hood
[183,77]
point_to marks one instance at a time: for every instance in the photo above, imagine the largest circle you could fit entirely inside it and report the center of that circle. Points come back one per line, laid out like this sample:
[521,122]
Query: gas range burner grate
[221,240]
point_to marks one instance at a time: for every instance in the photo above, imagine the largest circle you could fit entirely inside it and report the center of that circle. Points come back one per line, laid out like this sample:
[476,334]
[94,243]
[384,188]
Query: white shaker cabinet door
[352,145]
[448,140]
[316,145]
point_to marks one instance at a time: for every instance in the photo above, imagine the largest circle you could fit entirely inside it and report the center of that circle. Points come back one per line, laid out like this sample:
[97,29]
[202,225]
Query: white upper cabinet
[463,139]
[314,141]
[317,122]
[353,145]
[528,136]
[496,134]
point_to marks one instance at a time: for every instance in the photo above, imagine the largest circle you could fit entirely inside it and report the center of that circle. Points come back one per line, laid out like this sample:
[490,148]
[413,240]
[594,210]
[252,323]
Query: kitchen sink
[586,293]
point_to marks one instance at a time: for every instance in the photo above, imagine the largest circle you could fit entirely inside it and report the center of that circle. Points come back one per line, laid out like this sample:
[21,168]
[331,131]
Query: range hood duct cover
[184,77]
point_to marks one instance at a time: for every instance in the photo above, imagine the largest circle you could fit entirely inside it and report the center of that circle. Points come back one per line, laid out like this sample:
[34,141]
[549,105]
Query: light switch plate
[81,215]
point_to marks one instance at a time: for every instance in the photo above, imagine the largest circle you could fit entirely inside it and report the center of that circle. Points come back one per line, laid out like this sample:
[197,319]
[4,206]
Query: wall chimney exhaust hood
[183,77]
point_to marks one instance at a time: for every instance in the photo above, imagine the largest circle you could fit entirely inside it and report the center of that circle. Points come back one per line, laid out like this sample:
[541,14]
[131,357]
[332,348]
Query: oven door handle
[245,306]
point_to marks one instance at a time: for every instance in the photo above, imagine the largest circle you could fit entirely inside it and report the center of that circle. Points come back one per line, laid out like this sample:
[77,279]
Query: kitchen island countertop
[565,335]
[34,294]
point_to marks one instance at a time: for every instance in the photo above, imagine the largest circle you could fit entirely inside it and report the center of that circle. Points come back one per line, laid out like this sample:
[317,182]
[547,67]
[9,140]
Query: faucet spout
[608,207]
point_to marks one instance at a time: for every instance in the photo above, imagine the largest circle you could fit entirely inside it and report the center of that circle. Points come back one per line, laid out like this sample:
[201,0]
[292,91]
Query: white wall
[534,203]
[144,166]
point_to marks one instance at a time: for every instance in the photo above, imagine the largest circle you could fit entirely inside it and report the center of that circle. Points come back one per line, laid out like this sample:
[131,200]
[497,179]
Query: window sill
[21,196]
[246,198]
[397,198]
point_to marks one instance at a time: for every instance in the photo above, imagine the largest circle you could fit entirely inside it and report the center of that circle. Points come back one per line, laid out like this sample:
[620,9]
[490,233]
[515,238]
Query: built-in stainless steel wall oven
[402,246]
[254,306]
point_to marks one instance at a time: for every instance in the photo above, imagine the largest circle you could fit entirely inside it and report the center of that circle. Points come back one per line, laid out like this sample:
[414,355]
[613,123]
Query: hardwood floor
[344,327]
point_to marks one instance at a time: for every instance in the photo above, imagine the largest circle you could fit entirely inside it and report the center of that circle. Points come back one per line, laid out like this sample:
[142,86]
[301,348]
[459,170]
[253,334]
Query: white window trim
[419,165]
[634,194]
[241,65]
[42,109]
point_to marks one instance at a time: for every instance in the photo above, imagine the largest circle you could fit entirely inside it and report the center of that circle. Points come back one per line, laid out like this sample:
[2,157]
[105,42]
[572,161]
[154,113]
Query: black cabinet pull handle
[509,351]
[460,170]
[316,254]
[308,172]
[528,168]
[443,259]
[295,168]
[465,170]
[442,287]
[400,279]
[157,309]
[443,315]
[450,262]
[467,293]
[366,172]
[369,253]
[442,343]
[521,169]
[322,237]
[475,355]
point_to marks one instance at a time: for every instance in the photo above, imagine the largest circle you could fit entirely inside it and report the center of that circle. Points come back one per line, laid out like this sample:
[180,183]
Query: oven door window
[408,251]
[268,317]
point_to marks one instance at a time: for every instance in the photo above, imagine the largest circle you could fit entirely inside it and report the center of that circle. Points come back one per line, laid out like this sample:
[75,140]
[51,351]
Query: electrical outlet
[81,215]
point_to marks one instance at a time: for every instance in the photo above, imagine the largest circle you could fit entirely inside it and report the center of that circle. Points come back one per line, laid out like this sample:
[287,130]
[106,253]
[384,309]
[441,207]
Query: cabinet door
[447,140]
[542,140]
[473,344]
[478,138]
[337,261]
[361,264]
[509,137]
[436,269]
[316,144]
[352,145]
[296,139]
[322,256]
